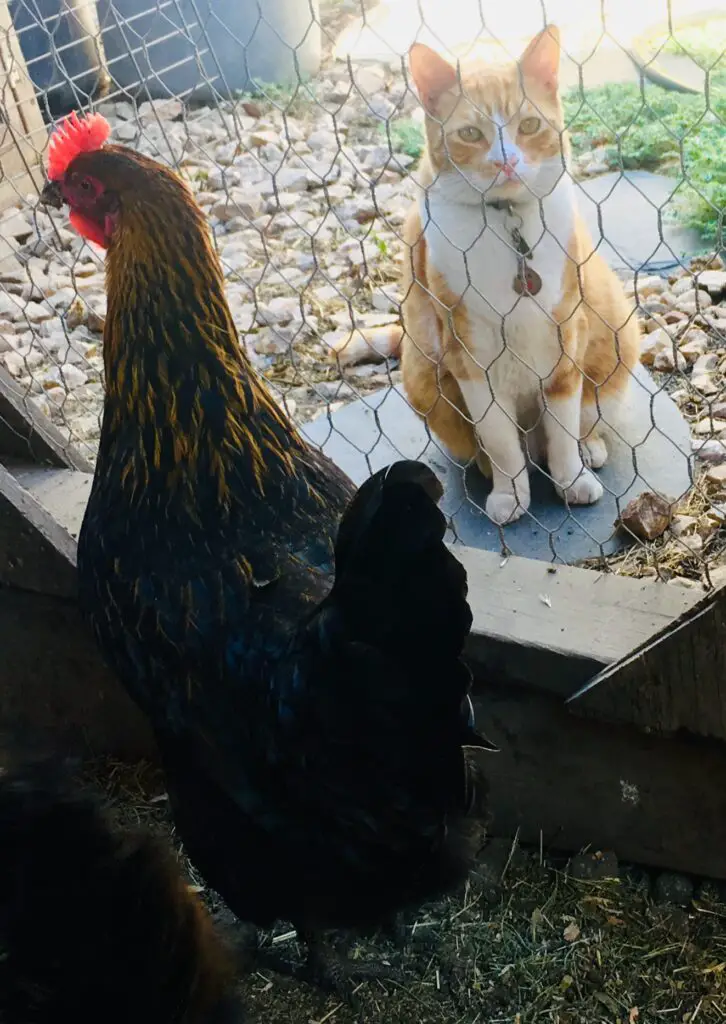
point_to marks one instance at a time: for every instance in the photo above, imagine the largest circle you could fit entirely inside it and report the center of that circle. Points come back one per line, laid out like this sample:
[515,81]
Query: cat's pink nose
[507,166]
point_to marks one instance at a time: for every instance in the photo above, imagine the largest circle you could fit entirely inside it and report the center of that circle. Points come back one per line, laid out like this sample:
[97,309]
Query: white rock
[714,281]
[322,139]
[706,363]
[681,524]
[683,284]
[241,202]
[125,110]
[287,179]
[371,80]
[63,298]
[653,344]
[9,307]
[709,426]
[87,427]
[704,383]
[15,224]
[264,137]
[694,300]
[665,361]
[37,311]
[15,364]
[651,285]
[274,340]
[711,451]
[279,310]
[153,111]
[717,475]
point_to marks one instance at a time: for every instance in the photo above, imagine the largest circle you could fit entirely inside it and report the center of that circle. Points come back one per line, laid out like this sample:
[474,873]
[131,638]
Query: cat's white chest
[474,251]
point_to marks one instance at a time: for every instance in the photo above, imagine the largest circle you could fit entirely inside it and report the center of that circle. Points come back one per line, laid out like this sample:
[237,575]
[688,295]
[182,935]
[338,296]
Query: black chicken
[310,705]
[97,924]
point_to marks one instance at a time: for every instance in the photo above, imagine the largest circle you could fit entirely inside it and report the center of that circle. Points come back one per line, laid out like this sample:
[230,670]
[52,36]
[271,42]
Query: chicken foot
[336,973]
[327,969]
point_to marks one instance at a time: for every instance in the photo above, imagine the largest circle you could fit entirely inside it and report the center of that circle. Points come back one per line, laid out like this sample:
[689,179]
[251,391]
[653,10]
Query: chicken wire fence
[305,154]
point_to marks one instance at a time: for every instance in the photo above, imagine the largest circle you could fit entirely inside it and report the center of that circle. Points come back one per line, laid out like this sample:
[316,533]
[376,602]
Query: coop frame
[634,762]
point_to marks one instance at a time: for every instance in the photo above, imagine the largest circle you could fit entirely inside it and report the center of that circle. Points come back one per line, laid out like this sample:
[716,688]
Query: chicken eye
[470,134]
[86,185]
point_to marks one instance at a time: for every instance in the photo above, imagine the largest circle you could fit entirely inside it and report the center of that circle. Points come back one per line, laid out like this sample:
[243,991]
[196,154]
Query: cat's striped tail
[368,345]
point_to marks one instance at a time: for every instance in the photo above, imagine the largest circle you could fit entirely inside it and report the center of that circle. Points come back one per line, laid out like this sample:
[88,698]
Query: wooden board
[675,680]
[27,435]
[556,630]
[63,493]
[576,781]
[56,689]
[571,782]
[35,552]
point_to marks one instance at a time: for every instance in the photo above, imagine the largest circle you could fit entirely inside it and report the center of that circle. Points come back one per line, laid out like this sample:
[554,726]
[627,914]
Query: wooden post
[23,135]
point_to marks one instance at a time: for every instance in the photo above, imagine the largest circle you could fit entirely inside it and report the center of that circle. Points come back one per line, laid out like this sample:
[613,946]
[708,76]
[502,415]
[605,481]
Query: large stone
[381,428]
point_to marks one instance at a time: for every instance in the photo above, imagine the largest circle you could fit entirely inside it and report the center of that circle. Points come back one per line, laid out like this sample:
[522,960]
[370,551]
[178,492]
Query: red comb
[75,135]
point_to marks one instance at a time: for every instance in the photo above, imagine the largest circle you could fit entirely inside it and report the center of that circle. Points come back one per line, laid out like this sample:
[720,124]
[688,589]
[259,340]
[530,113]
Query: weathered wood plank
[63,493]
[558,629]
[55,688]
[35,552]
[26,434]
[24,134]
[653,800]
[674,680]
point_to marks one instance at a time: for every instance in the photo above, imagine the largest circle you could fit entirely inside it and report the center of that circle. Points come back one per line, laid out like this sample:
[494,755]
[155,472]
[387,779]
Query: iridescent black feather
[310,704]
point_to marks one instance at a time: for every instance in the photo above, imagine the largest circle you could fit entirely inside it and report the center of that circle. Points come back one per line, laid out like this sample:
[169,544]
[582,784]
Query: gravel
[305,201]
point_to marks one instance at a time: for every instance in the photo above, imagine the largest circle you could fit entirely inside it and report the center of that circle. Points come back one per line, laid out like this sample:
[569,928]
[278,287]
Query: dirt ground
[526,942]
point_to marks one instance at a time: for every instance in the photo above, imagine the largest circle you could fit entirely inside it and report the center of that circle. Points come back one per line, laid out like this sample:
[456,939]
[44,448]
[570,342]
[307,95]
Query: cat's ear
[432,75]
[541,60]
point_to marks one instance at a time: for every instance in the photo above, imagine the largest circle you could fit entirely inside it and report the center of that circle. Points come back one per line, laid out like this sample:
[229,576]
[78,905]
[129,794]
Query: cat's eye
[470,134]
[529,125]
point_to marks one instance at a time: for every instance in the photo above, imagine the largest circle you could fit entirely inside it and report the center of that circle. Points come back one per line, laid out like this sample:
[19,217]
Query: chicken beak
[51,195]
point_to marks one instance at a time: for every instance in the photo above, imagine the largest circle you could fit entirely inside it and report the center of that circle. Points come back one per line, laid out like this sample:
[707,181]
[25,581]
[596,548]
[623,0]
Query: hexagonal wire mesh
[304,148]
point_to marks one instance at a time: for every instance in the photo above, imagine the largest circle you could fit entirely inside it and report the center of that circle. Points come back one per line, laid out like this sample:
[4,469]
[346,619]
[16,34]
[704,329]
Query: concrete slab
[628,217]
[649,446]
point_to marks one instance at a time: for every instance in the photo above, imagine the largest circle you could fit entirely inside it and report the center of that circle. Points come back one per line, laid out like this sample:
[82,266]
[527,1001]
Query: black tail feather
[399,584]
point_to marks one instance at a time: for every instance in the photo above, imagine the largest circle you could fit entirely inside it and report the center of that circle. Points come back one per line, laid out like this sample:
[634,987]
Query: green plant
[407,137]
[655,129]
[291,99]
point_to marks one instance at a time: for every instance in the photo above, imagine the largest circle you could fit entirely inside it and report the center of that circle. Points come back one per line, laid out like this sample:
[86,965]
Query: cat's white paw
[585,490]
[504,507]
[594,452]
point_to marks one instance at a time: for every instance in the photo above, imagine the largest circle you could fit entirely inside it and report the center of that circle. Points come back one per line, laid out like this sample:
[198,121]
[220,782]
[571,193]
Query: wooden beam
[675,680]
[573,782]
[26,434]
[36,553]
[63,493]
[55,687]
[557,629]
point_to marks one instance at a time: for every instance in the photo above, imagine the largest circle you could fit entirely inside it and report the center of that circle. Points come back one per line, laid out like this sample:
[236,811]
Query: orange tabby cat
[517,335]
